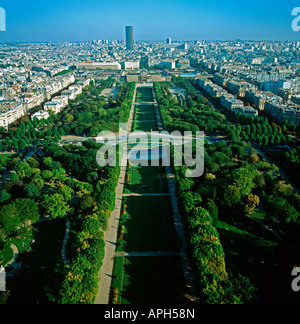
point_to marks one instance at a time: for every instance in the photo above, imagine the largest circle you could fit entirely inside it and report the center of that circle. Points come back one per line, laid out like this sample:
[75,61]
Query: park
[147,265]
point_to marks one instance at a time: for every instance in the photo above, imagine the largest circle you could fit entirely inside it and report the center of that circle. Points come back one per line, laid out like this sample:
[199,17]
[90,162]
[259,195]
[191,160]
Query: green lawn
[245,241]
[38,276]
[144,109]
[252,251]
[152,176]
[144,94]
[144,119]
[146,226]
[144,126]
[148,280]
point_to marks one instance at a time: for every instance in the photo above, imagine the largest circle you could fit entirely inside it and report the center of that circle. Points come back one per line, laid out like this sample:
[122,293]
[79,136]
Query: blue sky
[74,20]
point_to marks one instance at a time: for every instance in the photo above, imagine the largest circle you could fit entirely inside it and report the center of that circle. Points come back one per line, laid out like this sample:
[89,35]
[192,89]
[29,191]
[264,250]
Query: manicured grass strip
[118,275]
[144,126]
[146,225]
[151,280]
[151,176]
[144,94]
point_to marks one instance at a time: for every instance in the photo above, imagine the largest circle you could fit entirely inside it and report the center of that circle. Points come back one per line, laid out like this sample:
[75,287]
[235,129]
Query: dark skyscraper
[129,38]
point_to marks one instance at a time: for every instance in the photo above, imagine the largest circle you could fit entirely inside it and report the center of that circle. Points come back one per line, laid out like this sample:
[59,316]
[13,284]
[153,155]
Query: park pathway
[147,195]
[65,242]
[111,235]
[146,254]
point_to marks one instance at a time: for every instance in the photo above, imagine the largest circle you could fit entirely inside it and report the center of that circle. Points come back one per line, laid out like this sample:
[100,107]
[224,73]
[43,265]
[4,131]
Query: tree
[20,212]
[66,192]
[241,287]
[4,196]
[31,190]
[213,210]
[232,196]
[283,189]
[22,144]
[55,205]
[243,178]
[23,170]
[279,209]
[252,201]
[47,174]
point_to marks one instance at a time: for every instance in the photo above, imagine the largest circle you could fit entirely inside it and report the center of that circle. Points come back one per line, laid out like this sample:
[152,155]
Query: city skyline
[188,20]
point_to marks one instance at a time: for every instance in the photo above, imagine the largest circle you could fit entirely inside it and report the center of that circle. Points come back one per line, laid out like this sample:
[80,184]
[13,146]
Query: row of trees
[194,113]
[235,182]
[45,186]
[31,133]
[257,129]
[214,283]
[80,284]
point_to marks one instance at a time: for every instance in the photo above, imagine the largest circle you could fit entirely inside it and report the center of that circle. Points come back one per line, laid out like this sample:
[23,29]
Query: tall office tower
[129,38]
[169,40]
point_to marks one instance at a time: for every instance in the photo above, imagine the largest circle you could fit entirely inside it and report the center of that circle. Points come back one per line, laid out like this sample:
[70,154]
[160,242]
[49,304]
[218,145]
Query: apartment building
[84,83]
[239,88]
[258,98]
[212,89]
[77,89]
[63,100]
[100,66]
[10,111]
[54,106]
[229,102]
[131,65]
[31,100]
[283,111]
[220,80]
[70,94]
[40,115]
[247,111]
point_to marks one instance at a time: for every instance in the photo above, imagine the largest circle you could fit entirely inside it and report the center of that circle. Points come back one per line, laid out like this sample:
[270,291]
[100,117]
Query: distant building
[133,77]
[145,77]
[100,65]
[229,102]
[220,80]
[247,111]
[63,100]
[10,111]
[31,100]
[169,40]
[183,63]
[283,111]
[239,88]
[40,115]
[129,38]
[54,106]
[131,65]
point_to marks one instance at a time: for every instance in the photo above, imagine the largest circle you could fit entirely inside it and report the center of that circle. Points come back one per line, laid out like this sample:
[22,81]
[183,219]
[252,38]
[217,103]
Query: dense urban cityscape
[75,232]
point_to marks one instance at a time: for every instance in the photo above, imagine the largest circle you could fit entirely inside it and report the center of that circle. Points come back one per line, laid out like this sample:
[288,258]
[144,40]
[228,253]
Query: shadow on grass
[40,278]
